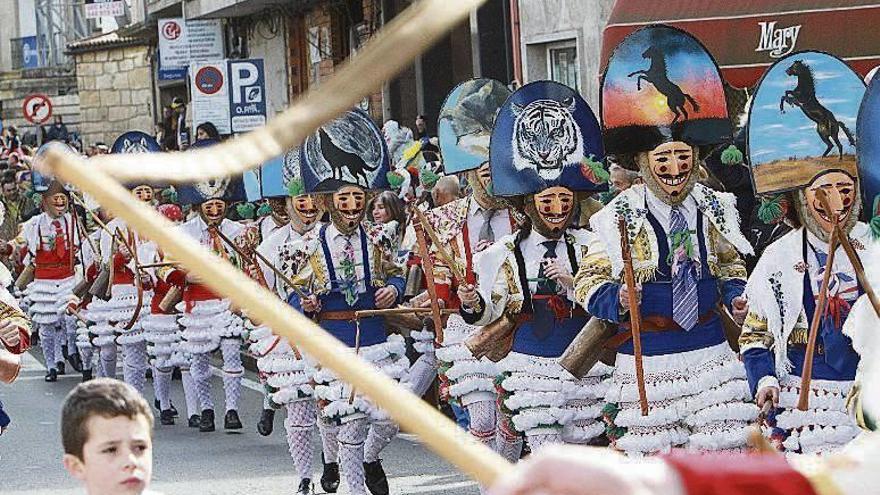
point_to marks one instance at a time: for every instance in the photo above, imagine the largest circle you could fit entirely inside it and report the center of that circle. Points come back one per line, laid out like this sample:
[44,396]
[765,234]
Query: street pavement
[186,461]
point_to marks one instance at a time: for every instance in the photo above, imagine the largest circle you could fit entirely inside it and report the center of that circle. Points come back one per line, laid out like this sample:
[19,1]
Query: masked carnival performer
[164,336]
[684,239]
[465,227]
[130,289]
[814,161]
[91,262]
[285,372]
[546,147]
[343,267]
[208,323]
[15,325]
[52,242]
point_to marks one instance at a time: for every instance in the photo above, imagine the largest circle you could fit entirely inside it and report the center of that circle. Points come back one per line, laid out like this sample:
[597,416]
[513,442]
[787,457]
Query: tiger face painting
[546,137]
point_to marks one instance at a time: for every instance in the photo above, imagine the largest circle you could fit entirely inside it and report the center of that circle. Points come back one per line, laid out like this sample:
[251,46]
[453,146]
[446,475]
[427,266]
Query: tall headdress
[229,189]
[464,127]
[662,85]
[136,142]
[349,150]
[282,176]
[43,183]
[802,122]
[868,148]
[546,135]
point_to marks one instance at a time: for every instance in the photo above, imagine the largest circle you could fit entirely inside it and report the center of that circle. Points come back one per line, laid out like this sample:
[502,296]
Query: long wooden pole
[428,269]
[635,314]
[435,430]
[278,273]
[818,313]
[441,248]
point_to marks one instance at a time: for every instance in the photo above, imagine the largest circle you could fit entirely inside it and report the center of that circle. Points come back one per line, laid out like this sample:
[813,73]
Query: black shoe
[376,480]
[60,367]
[87,375]
[266,423]
[231,421]
[75,362]
[206,423]
[330,476]
[195,421]
[166,417]
[51,376]
[305,487]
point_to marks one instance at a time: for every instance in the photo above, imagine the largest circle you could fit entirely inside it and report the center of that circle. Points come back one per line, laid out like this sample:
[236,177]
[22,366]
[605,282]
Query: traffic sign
[37,108]
[209,80]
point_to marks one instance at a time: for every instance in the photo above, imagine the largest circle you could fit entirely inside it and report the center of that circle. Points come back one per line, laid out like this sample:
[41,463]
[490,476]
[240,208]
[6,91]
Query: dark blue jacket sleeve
[605,302]
[398,283]
[759,363]
[839,352]
[731,289]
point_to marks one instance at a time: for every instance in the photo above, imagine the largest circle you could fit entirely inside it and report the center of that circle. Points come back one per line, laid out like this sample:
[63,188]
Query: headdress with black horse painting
[228,189]
[801,132]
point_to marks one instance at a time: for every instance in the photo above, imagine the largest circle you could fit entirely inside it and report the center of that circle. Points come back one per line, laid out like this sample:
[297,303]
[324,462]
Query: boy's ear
[74,465]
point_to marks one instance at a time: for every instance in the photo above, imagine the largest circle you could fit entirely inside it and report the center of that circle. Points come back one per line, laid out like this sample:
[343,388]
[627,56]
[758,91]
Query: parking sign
[247,93]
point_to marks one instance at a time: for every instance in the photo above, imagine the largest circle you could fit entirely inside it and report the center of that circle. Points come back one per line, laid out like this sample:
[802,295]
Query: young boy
[106,430]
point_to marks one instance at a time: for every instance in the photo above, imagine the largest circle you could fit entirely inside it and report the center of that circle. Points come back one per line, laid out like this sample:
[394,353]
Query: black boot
[206,423]
[60,367]
[330,476]
[194,421]
[87,375]
[305,487]
[166,417]
[231,421]
[376,480]
[75,361]
[51,376]
[267,422]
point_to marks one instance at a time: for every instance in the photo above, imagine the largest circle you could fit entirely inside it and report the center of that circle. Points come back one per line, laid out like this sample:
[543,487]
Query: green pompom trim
[246,210]
[264,210]
[428,178]
[170,194]
[296,188]
[394,179]
[732,156]
[773,210]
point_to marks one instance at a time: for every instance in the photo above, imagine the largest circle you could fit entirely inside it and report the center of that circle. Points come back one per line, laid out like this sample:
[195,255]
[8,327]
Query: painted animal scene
[674,79]
[803,115]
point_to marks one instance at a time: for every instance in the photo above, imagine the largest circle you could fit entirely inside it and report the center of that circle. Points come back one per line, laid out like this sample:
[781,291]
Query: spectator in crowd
[10,138]
[387,207]
[621,178]
[181,132]
[58,131]
[207,130]
[18,206]
[446,190]
[107,434]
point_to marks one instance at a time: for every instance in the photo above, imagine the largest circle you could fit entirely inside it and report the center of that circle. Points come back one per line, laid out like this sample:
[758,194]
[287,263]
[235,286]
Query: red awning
[747,36]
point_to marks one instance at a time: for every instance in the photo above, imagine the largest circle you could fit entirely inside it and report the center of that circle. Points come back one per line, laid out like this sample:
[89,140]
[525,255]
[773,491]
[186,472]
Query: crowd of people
[562,280]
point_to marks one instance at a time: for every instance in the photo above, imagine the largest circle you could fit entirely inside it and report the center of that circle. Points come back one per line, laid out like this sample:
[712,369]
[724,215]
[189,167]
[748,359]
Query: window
[563,64]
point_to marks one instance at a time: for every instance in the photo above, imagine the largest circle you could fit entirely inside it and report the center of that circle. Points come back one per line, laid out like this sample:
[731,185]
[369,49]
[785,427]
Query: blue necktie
[685,304]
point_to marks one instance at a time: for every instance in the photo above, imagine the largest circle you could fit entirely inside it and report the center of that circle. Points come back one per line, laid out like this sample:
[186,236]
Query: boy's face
[117,457]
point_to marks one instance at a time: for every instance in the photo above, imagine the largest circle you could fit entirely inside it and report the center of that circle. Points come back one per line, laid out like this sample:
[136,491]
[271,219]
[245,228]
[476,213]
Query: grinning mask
[551,211]
[348,208]
[213,211]
[668,170]
[303,212]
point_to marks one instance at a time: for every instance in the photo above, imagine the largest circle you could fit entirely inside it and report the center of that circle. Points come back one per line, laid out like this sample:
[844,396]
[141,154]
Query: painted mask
[668,170]
[213,211]
[303,212]
[841,193]
[56,204]
[551,211]
[143,193]
[349,206]
[279,210]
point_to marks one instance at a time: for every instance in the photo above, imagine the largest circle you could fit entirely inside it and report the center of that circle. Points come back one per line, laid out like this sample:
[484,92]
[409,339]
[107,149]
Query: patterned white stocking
[351,454]
[232,371]
[300,424]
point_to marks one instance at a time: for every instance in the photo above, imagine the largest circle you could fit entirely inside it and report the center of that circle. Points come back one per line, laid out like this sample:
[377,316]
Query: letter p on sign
[243,74]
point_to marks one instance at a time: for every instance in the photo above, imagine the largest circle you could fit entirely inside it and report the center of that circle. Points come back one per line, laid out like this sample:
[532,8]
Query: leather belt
[337,315]
[653,324]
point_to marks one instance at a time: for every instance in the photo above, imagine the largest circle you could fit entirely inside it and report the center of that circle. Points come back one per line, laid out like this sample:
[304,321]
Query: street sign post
[37,109]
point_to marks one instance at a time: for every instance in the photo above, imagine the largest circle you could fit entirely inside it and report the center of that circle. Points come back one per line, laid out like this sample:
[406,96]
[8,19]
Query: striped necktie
[685,304]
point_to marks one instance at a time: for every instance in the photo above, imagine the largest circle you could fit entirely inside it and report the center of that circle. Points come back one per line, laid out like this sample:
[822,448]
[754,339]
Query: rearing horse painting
[803,96]
[657,75]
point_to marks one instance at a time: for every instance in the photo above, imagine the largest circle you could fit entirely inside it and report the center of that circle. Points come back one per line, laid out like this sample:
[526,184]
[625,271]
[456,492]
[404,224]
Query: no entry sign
[37,109]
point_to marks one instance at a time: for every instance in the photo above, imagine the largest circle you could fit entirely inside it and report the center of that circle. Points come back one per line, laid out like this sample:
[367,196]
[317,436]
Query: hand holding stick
[635,314]
[428,263]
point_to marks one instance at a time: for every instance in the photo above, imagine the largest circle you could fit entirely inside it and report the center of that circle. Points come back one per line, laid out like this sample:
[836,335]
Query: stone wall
[115,93]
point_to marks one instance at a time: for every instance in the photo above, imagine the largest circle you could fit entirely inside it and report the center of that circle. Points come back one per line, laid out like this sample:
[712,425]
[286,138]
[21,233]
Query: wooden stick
[818,313]
[851,254]
[635,313]
[436,431]
[428,269]
[441,248]
[389,51]
[158,265]
[367,313]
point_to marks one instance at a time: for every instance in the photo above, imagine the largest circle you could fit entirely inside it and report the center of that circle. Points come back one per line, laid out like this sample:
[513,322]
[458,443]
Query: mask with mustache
[668,170]
[213,211]
[303,212]
[347,208]
[55,204]
[480,181]
[551,211]
[842,194]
